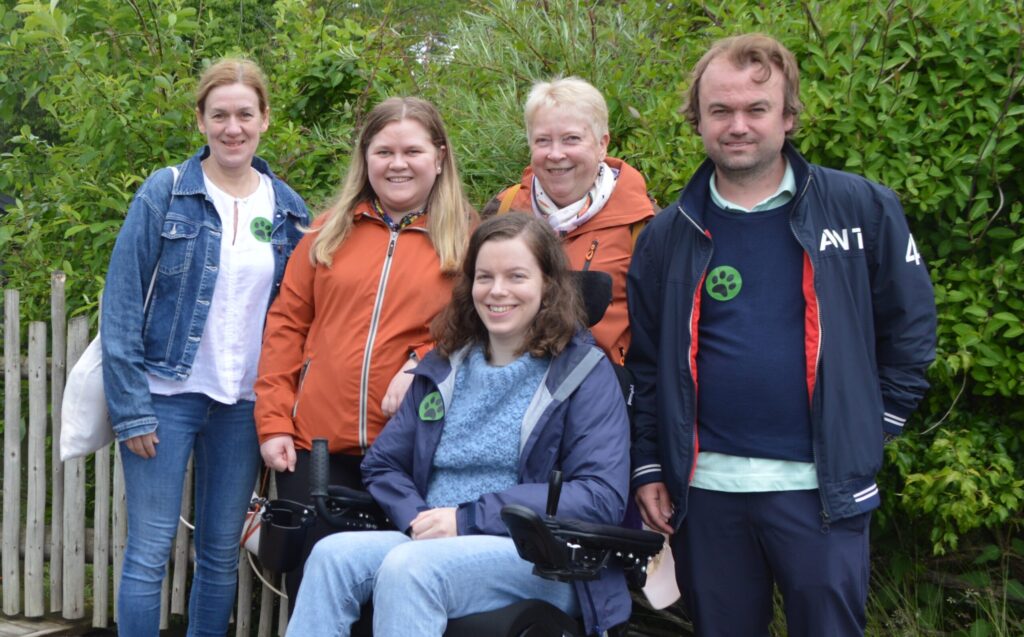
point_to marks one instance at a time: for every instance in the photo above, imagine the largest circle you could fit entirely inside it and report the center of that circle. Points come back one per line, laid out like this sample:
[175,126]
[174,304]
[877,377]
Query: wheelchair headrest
[596,289]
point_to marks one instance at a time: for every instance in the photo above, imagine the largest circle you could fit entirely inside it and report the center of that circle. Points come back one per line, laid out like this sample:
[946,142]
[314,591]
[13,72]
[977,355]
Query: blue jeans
[223,438]
[415,585]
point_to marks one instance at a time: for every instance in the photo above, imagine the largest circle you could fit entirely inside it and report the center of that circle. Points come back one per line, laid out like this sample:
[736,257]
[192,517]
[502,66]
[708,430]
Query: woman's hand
[434,523]
[143,446]
[397,388]
[279,453]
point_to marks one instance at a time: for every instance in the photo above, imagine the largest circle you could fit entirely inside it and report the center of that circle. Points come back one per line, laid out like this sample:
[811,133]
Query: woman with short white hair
[597,204]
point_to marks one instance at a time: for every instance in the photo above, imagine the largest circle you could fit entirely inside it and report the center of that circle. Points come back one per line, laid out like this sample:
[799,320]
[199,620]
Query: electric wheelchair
[560,549]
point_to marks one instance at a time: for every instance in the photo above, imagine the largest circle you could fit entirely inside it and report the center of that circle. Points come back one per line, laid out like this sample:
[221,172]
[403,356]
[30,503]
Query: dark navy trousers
[732,548]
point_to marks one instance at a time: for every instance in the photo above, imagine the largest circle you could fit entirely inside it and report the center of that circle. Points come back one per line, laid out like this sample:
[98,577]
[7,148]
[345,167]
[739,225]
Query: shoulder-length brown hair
[561,311]
[449,214]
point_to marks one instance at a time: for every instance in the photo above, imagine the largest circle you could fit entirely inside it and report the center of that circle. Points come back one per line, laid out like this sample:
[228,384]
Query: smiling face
[564,154]
[508,285]
[743,123]
[232,122]
[402,164]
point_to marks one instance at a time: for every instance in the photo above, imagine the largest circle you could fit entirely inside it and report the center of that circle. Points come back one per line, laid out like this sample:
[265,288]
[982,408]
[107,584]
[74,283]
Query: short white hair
[571,93]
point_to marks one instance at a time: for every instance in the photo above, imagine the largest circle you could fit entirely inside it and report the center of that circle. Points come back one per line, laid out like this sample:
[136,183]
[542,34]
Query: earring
[438,170]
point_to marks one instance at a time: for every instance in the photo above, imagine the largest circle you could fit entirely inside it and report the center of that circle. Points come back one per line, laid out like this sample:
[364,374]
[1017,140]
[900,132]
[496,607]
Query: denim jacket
[176,226]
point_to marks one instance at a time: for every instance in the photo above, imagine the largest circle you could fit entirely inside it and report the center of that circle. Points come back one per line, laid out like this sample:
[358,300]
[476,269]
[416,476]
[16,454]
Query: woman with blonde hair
[196,264]
[596,203]
[357,300]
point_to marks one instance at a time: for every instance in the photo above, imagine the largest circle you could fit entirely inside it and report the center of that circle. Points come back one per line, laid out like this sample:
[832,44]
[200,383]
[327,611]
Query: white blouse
[229,350]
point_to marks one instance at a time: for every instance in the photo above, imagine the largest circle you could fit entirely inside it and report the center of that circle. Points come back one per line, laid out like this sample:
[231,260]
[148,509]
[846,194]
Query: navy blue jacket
[576,422]
[869,325]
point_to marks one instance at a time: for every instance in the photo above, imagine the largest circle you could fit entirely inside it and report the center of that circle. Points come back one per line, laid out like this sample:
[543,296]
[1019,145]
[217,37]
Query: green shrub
[923,96]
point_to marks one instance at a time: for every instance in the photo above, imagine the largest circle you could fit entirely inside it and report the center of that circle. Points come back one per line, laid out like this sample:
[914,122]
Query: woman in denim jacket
[197,262]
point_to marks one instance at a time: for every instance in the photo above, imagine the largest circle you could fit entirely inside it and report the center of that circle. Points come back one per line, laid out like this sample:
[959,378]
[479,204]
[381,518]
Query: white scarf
[567,219]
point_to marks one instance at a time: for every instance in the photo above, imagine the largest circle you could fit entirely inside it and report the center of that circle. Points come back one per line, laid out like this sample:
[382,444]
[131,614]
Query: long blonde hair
[449,215]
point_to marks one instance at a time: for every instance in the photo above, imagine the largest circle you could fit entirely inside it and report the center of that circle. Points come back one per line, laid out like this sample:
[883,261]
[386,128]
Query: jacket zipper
[825,517]
[590,255]
[689,326]
[298,390]
[364,379]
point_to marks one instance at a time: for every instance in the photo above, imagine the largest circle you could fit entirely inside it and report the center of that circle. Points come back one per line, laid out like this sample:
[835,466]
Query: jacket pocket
[178,245]
[298,390]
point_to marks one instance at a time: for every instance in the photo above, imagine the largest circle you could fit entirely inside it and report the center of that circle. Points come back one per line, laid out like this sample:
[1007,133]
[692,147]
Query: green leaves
[922,96]
[97,94]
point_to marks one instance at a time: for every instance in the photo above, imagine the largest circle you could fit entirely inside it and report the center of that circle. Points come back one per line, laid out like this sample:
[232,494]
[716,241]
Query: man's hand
[434,523]
[397,388]
[143,446]
[655,506]
[279,453]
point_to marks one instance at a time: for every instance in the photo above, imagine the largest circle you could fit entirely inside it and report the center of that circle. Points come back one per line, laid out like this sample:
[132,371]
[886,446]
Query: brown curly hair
[561,311]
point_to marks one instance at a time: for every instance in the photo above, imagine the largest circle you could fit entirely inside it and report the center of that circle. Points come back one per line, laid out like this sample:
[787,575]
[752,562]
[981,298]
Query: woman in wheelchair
[514,389]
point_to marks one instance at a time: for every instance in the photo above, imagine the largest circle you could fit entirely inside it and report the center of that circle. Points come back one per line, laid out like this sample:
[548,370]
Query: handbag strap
[264,482]
[508,198]
[153,280]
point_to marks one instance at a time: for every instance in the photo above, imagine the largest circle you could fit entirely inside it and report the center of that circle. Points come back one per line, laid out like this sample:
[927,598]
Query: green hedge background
[921,95]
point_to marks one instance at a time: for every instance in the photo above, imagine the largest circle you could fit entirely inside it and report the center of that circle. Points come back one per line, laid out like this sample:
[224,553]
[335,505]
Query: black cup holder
[283,534]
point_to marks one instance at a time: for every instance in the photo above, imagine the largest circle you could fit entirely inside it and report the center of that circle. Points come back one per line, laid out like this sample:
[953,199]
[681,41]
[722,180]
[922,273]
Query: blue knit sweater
[479,448]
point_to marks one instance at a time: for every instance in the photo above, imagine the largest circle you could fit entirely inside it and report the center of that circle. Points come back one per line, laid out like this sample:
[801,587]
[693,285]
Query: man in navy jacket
[794,297]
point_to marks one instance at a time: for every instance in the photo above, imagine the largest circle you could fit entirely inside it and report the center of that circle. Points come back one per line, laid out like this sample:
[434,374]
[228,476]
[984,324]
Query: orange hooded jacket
[606,241]
[336,336]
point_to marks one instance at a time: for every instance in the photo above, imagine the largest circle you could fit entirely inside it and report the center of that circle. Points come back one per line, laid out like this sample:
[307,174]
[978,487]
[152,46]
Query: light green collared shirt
[737,474]
[782,195]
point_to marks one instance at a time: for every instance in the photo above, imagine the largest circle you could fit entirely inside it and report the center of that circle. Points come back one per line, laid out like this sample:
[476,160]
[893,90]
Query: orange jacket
[609,234]
[337,335]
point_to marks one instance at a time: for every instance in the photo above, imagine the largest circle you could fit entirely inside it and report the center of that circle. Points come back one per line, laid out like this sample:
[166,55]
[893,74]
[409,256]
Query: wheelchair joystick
[318,469]
[341,508]
[554,493]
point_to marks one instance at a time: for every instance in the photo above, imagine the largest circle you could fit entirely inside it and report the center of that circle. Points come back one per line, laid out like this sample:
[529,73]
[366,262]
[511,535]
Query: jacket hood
[439,369]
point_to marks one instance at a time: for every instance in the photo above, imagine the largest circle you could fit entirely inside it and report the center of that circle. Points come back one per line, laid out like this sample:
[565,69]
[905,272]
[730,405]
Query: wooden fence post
[74,511]
[58,369]
[12,454]
[101,542]
[35,509]
[120,531]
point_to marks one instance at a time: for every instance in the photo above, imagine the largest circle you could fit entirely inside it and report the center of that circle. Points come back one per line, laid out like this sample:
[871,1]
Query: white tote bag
[85,424]
[85,427]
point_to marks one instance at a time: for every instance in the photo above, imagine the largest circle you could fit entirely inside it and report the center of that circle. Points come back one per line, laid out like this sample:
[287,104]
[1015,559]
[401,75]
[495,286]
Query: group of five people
[446,362]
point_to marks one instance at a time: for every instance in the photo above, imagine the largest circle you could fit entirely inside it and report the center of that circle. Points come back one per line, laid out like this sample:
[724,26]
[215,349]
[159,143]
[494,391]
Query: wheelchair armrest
[347,496]
[634,542]
[347,509]
[567,550]
[535,542]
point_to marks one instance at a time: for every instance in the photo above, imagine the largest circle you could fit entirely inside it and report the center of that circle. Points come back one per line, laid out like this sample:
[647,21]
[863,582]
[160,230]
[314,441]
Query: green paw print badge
[724,283]
[261,229]
[432,407]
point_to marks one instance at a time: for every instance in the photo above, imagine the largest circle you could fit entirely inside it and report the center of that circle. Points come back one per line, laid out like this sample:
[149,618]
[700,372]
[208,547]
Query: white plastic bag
[661,589]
